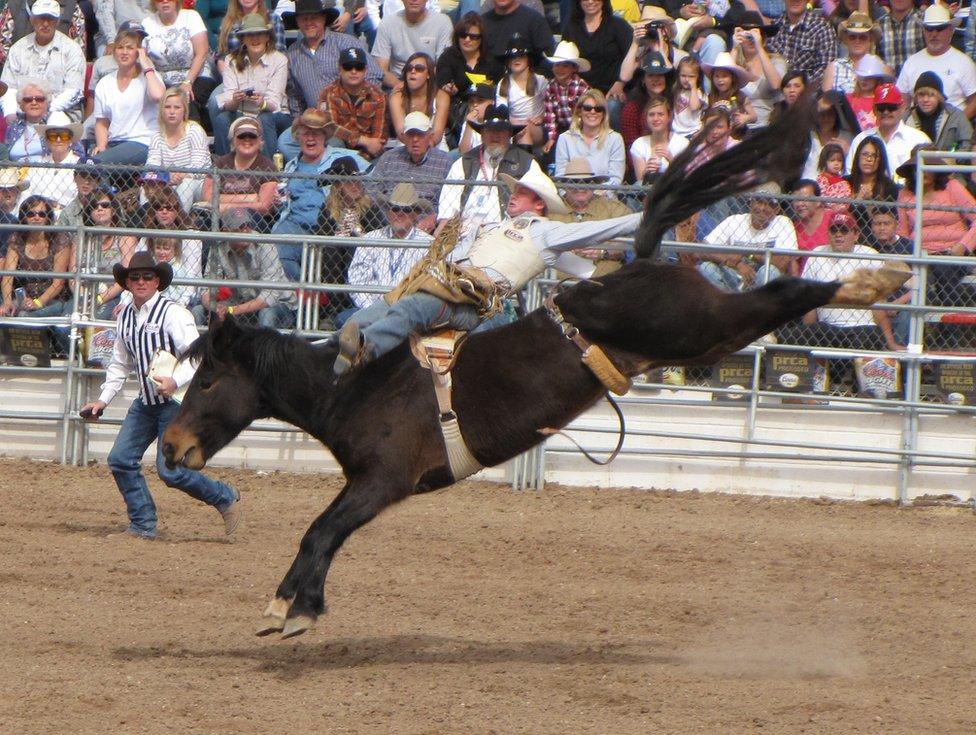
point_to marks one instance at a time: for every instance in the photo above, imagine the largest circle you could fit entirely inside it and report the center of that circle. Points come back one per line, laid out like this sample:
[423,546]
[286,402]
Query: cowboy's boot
[352,350]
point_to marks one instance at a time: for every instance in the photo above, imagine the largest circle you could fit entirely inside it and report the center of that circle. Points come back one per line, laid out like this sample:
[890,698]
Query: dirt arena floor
[481,610]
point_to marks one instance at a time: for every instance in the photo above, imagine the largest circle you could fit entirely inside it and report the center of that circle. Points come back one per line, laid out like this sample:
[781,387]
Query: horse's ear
[223,330]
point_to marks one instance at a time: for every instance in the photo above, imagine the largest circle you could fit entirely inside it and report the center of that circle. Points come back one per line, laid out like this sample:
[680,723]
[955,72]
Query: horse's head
[223,398]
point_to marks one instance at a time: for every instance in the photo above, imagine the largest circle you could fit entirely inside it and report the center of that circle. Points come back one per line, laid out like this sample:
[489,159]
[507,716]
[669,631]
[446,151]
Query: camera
[249,92]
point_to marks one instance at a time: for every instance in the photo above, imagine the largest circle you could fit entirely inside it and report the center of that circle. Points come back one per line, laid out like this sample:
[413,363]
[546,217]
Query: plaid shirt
[559,103]
[899,40]
[309,72]
[352,120]
[427,177]
[808,46]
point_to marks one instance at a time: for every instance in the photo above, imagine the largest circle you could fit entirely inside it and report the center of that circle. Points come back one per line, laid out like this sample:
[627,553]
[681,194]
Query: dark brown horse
[381,422]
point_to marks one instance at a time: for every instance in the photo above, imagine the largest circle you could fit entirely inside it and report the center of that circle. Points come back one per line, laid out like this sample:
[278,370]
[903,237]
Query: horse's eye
[206,384]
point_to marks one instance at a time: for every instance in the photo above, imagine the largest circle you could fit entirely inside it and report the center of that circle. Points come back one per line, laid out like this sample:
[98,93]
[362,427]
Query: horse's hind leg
[300,597]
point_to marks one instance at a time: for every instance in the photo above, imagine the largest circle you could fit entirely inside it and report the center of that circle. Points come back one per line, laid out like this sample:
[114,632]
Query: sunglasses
[470,36]
[886,108]
[936,29]
[37,99]
[164,208]
[137,277]
[839,228]
[593,108]
[102,205]
[57,136]
[415,67]
[246,136]
[354,67]
[858,36]
[38,213]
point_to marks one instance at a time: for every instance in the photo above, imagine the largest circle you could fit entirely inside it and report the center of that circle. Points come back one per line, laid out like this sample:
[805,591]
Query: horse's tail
[773,154]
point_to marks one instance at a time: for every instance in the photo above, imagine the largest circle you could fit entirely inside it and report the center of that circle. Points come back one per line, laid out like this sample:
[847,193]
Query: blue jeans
[290,254]
[384,326]
[142,425]
[727,278]
[124,151]
[288,146]
[366,27]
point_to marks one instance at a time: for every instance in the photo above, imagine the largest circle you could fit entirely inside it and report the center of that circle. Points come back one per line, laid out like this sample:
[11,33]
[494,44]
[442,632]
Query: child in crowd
[870,72]
[523,91]
[728,79]
[831,177]
[170,250]
[885,239]
[651,154]
[688,98]
[564,91]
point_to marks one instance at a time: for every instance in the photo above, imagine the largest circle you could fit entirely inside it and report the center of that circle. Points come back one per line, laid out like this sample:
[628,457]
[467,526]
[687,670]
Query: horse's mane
[773,154]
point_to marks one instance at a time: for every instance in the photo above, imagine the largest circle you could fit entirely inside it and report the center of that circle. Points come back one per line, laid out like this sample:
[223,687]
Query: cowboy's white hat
[568,53]
[872,66]
[58,120]
[725,61]
[10,178]
[536,181]
[938,15]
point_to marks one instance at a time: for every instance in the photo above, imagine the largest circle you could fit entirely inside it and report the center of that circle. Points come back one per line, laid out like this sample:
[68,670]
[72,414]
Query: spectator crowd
[301,119]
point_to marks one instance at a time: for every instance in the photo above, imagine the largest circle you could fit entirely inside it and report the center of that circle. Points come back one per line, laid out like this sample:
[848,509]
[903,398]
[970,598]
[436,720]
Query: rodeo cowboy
[151,322]
[463,289]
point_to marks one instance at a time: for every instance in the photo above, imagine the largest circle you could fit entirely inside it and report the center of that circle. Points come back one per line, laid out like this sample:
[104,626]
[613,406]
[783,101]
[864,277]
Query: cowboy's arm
[562,236]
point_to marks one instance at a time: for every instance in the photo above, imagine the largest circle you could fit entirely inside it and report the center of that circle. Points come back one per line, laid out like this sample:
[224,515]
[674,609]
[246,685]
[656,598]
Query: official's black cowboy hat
[496,117]
[143,261]
[324,7]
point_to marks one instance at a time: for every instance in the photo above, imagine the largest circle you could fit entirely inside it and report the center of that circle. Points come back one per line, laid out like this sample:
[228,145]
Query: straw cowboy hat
[938,15]
[568,53]
[725,61]
[872,66]
[858,22]
[404,196]
[10,179]
[143,261]
[653,13]
[540,184]
[579,171]
[58,120]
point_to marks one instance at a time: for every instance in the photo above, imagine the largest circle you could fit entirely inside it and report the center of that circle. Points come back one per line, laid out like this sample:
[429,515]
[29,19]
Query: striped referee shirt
[158,324]
[310,71]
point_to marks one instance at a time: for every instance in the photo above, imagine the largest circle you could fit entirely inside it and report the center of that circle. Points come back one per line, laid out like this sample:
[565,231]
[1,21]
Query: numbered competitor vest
[508,250]
[142,343]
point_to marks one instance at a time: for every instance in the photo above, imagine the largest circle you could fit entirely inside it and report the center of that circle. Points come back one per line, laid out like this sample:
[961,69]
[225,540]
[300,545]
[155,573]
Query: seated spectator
[179,143]
[102,67]
[87,178]
[386,266]
[304,197]
[353,109]
[419,93]
[522,91]
[103,210]
[15,24]
[479,204]
[138,203]
[831,176]
[717,122]
[248,188]
[35,250]
[806,39]
[901,33]
[410,31]
[479,98]
[254,84]
[126,106]
[179,51]
[794,84]
[170,250]
[944,232]
[654,78]
[56,184]
[858,35]
[589,136]
[416,161]
[762,227]
[812,219]
[868,74]
[857,329]
[22,142]
[696,24]
[898,138]
[509,17]
[727,80]
[47,54]
[165,212]
[944,124]
[835,124]
[313,61]
[886,240]
[228,39]
[956,70]
[240,260]
[651,154]
[11,188]
[870,178]
[749,52]
[563,92]
[654,33]
[689,98]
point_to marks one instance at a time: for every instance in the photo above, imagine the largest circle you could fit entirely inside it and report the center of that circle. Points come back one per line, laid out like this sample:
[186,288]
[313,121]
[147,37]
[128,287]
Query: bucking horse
[383,423]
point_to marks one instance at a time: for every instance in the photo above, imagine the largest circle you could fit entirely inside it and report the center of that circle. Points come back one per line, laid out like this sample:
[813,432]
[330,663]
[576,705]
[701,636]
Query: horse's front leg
[300,597]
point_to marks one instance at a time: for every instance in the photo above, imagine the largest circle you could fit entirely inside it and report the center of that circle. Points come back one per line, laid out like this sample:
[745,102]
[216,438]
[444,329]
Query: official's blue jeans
[727,278]
[384,326]
[141,427]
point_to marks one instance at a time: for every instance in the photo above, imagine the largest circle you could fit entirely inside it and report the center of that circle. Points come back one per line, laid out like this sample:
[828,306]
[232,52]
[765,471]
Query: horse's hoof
[269,626]
[867,286]
[274,616]
[297,625]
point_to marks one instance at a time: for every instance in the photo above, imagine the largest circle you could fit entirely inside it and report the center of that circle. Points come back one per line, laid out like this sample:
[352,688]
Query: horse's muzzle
[181,448]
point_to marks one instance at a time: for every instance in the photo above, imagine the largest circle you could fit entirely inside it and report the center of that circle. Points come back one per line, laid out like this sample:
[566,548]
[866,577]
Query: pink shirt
[940,230]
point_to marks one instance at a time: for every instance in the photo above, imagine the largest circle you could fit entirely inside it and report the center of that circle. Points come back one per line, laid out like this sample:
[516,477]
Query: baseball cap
[88,166]
[155,174]
[416,121]
[46,9]
[132,26]
[236,219]
[245,122]
[843,219]
[887,94]
[352,55]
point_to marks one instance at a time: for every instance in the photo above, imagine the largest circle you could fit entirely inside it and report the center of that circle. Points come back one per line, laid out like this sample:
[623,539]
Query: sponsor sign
[735,373]
[27,346]
[785,370]
[955,382]
[878,377]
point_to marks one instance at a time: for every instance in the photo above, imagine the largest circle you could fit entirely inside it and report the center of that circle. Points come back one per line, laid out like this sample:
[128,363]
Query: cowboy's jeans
[142,425]
[384,327]
[727,278]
